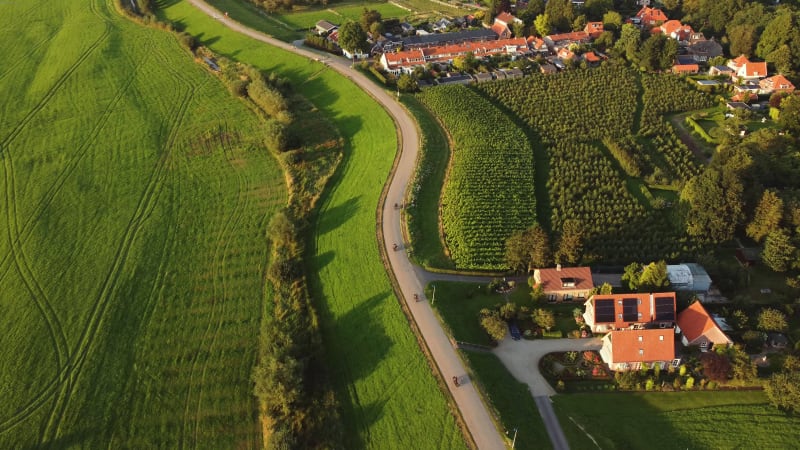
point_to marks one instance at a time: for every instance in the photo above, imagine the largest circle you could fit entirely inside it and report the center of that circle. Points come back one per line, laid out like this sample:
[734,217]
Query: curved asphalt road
[477,418]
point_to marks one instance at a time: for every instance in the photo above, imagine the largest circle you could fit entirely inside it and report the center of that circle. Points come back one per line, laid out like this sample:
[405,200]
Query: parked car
[514,330]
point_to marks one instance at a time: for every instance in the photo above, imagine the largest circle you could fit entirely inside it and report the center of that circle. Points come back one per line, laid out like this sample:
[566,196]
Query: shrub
[690,383]
[649,385]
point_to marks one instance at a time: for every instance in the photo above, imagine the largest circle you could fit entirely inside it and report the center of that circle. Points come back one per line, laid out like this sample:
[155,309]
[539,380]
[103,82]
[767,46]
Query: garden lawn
[710,419]
[459,306]
[388,395]
[135,197]
[423,214]
[511,400]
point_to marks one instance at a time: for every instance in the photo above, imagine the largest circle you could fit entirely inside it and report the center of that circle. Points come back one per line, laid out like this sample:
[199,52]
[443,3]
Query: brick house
[564,283]
[605,313]
[629,349]
[697,327]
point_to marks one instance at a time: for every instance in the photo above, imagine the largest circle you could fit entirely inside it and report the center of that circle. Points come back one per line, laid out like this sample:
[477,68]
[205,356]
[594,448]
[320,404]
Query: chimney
[558,267]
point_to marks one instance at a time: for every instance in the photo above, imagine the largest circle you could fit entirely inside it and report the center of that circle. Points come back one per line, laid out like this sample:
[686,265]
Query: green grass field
[719,419]
[133,246]
[389,397]
[511,400]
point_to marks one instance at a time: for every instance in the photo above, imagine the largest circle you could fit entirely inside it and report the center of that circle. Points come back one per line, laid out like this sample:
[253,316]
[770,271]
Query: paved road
[477,418]
[522,360]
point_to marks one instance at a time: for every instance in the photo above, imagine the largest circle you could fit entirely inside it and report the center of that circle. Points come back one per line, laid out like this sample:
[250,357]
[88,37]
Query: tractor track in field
[13,67]
[48,95]
[83,149]
[143,210]
[219,292]
[22,234]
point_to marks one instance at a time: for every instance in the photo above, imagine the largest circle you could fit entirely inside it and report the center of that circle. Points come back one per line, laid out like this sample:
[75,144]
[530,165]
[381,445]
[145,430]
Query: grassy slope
[434,155]
[678,420]
[127,249]
[511,399]
[389,397]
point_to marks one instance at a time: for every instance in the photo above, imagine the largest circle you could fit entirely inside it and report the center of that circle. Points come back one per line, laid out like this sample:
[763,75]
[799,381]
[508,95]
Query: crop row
[489,192]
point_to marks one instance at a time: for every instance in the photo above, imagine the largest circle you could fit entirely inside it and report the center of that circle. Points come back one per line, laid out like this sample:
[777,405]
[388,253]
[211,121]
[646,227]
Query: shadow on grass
[338,215]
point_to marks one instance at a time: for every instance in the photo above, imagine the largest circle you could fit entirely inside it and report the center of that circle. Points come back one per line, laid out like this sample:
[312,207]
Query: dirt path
[478,420]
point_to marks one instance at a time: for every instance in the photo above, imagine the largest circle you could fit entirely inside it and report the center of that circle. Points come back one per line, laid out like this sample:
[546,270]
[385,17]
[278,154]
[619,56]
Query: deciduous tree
[779,251]
[352,37]
[544,318]
[783,391]
[570,244]
[494,325]
[560,13]
[716,367]
[654,277]
[770,319]
[542,24]
[767,216]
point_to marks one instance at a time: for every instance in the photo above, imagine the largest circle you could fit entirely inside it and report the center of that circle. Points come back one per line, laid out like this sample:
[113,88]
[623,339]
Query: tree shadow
[320,261]
[337,216]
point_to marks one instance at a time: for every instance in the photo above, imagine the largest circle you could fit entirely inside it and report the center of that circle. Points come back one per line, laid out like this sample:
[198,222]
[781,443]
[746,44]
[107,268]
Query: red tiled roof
[565,53]
[591,57]
[685,68]
[642,345]
[573,36]
[448,52]
[741,60]
[754,69]
[695,322]
[642,308]
[551,278]
[651,15]
[500,29]
[594,29]
[778,83]
[671,25]
[506,18]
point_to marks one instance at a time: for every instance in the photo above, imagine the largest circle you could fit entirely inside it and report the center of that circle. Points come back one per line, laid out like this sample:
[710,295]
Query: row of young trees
[489,191]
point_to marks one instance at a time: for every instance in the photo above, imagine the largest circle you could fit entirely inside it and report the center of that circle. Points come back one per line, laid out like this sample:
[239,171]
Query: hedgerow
[489,192]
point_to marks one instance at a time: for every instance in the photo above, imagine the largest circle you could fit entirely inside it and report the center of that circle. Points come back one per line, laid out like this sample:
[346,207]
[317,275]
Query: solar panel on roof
[604,311]
[665,309]
[630,310]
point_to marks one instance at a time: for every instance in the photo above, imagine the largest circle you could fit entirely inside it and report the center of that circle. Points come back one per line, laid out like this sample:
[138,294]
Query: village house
[564,283]
[701,50]
[439,39]
[537,45]
[502,25]
[698,328]
[649,17]
[441,25]
[591,58]
[591,31]
[777,83]
[605,313]
[720,70]
[746,70]
[565,53]
[674,29]
[405,61]
[629,349]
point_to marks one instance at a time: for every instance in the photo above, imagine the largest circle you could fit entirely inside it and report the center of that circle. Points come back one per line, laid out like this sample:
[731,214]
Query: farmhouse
[629,349]
[611,312]
[590,31]
[564,283]
[747,70]
[777,83]
[406,61]
[698,328]
[720,70]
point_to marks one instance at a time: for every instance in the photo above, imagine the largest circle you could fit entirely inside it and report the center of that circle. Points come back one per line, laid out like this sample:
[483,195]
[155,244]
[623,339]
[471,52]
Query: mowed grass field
[135,197]
[719,419]
[389,397]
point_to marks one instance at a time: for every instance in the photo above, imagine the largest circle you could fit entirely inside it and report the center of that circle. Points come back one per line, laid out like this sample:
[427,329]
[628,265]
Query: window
[620,316]
[661,338]
[640,339]
[641,351]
